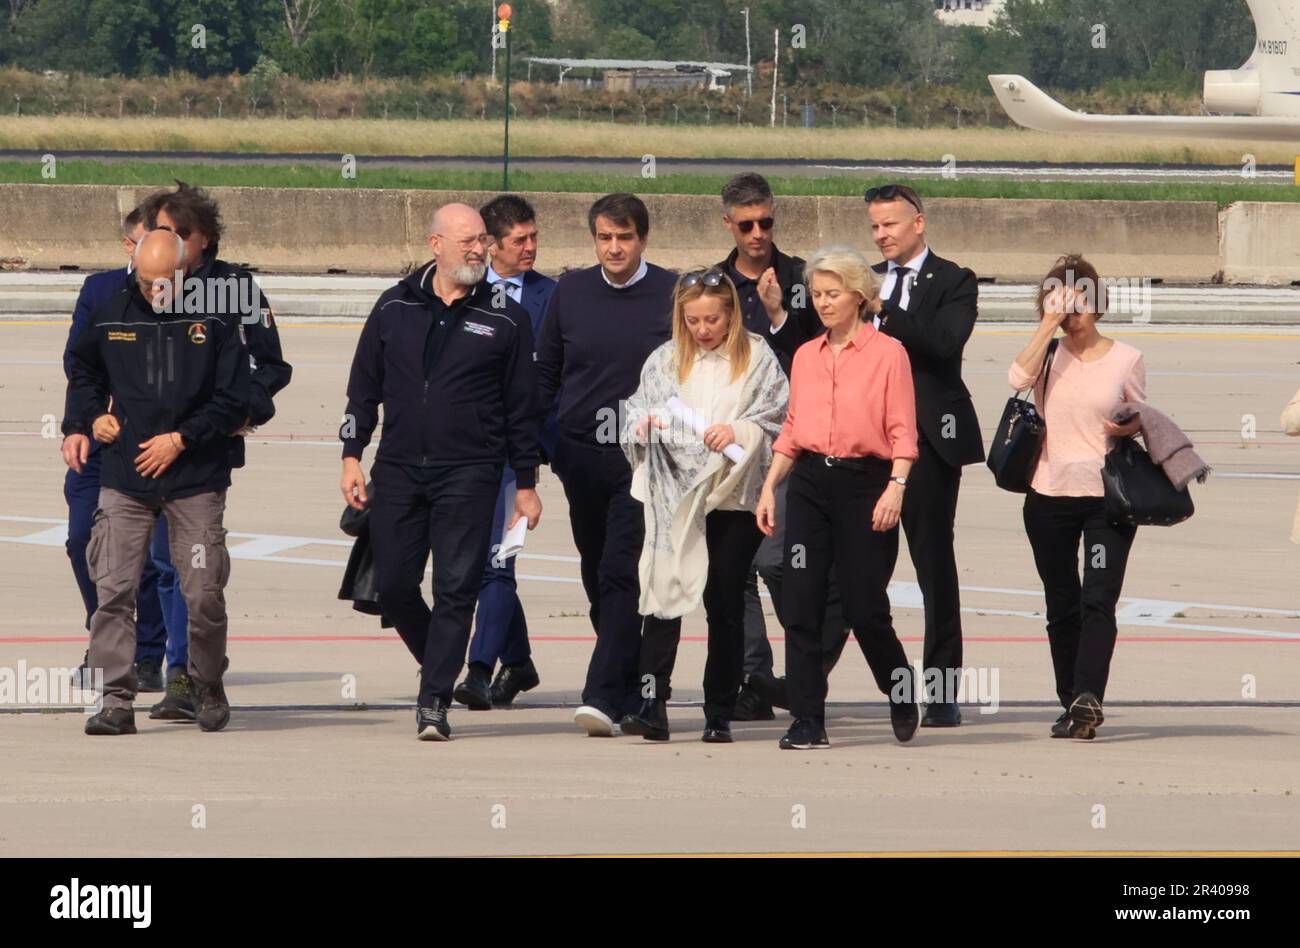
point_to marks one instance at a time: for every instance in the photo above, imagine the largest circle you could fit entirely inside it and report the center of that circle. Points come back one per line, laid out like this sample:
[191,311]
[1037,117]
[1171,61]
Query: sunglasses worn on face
[891,192]
[764,223]
[710,277]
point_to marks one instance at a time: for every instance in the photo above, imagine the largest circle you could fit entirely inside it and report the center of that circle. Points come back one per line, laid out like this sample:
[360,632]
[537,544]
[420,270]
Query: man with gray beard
[450,358]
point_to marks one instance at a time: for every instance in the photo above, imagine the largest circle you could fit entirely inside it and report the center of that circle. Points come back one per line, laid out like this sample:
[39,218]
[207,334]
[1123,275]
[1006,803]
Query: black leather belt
[867,465]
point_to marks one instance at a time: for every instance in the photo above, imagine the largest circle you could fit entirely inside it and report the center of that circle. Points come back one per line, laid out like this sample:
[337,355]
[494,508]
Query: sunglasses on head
[764,223]
[892,192]
[710,277]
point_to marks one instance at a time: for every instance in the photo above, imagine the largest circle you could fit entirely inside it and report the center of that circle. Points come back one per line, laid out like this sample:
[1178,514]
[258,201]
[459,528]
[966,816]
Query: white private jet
[1258,102]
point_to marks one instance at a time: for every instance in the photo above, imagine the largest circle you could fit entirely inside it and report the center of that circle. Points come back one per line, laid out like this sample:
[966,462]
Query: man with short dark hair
[602,324]
[930,305]
[81,488]
[501,632]
[451,362]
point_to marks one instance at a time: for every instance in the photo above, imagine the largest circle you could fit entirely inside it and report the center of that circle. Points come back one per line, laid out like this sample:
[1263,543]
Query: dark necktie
[895,300]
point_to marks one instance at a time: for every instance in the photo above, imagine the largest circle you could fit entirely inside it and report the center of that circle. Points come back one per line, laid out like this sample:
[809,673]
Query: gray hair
[746,190]
[851,267]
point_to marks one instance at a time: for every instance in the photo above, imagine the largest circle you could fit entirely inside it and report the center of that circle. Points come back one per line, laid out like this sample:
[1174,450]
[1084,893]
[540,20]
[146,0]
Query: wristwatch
[900,481]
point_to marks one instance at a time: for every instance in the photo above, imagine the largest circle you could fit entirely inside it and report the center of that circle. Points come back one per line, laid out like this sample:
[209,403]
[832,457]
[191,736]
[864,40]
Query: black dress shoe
[772,690]
[750,706]
[511,680]
[805,734]
[941,714]
[649,721]
[475,692]
[717,731]
[904,716]
[112,721]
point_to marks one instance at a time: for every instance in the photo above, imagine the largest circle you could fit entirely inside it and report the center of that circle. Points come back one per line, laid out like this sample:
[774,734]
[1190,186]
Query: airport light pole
[504,12]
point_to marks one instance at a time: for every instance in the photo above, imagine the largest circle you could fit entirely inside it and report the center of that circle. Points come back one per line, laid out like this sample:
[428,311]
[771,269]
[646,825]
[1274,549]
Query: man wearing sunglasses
[451,362]
[774,303]
[930,306]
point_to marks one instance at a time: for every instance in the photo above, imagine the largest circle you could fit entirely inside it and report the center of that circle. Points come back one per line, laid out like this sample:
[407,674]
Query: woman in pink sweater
[1090,375]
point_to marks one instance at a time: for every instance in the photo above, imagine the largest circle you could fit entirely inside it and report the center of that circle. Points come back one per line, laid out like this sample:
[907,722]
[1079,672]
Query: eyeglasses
[710,277]
[892,192]
[486,240]
[764,223]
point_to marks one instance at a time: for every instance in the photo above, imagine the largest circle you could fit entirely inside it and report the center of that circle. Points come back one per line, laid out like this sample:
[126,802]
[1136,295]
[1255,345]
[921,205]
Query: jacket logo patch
[198,333]
[121,336]
[479,329]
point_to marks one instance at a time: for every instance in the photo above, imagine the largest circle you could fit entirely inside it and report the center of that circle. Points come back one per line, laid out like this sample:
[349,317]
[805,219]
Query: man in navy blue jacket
[451,362]
[81,488]
[501,632]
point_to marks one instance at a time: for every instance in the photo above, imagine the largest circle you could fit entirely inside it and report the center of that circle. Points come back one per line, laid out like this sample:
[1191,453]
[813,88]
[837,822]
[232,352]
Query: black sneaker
[774,691]
[905,718]
[751,706]
[475,692]
[717,731]
[1061,726]
[805,734]
[513,679]
[1086,709]
[212,710]
[112,721]
[431,722]
[649,721]
[178,704]
[148,675]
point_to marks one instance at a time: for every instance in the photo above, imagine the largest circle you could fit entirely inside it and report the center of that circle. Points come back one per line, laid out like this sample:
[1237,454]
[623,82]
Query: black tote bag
[1013,455]
[1138,492]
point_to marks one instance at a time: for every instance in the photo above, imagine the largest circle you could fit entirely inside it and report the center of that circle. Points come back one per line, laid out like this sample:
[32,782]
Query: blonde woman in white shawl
[699,489]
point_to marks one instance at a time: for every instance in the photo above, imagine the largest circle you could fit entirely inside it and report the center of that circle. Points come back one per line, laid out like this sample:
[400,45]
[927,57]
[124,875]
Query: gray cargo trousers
[119,543]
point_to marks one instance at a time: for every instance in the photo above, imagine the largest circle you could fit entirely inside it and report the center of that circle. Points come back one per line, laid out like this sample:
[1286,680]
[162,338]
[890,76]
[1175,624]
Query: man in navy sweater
[81,488]
[602,324]
[451,362]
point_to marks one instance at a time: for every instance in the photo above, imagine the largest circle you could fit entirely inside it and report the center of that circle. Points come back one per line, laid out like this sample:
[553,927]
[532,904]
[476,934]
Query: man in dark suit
[501,628]
[930,306]
[81,488]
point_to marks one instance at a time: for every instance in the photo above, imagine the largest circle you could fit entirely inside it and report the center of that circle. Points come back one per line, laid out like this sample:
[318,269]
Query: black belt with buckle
[865,465]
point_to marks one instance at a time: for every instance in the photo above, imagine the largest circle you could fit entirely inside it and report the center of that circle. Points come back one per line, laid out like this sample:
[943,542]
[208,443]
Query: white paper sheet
[734,452]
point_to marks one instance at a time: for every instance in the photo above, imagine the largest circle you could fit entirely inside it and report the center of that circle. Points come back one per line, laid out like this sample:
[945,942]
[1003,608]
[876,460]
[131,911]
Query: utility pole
[749,71]
[503,25]
[776,69]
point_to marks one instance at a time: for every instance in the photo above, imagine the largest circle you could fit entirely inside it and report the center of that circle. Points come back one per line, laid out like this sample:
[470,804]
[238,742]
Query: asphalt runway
[668,166]
[1198,752]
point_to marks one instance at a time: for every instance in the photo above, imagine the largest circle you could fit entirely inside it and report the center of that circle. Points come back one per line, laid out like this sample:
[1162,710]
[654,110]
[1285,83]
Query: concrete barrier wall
[1261,243]
[385,231]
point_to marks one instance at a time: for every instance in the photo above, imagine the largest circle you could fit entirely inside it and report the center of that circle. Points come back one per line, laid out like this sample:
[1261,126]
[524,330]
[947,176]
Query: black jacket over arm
[940,316]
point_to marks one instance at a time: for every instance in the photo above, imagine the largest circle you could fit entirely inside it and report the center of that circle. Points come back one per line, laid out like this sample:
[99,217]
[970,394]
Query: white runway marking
[1133,612]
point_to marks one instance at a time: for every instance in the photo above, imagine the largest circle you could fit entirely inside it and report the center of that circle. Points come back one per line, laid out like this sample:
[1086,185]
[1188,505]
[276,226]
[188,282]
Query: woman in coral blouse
[847,445]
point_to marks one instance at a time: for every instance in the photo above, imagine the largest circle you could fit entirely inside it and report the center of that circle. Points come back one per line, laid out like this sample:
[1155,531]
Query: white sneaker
[595,722]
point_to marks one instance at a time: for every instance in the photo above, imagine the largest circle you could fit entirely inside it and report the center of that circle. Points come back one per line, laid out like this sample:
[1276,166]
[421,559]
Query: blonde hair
[736,345]
[854,272]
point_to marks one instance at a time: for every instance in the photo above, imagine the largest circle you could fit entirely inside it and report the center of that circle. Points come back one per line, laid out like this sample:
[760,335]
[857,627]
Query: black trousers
[1080,615]
[608,530]
[450,515]
[732,537]
[929,512]
[828,526]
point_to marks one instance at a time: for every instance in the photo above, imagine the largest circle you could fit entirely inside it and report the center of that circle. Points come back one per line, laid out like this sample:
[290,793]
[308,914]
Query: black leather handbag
[1138,492]
[1013,455]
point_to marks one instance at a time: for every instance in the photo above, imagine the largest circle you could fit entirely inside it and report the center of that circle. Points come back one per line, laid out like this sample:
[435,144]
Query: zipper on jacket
[159,337]
[171,360]
[424,399]
[148,364]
